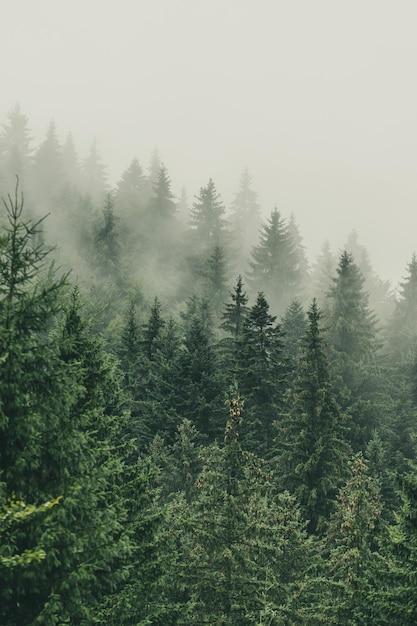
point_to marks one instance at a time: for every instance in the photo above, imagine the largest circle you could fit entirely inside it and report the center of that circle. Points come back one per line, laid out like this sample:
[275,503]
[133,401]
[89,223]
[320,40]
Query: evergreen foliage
[312,434]
[353,338]
[274,267]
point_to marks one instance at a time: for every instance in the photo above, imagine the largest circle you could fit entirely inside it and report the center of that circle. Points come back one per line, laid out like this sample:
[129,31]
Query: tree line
[196,427]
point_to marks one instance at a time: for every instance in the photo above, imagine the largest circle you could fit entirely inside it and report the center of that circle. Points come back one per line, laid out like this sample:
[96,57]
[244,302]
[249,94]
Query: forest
[198,425]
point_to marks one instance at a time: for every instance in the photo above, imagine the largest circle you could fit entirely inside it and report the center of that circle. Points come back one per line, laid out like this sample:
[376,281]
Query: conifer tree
[207,221]
[274,266]
[402,329]
[245,219]
[162,206]
[16,151]
[200,382]
[48,173]
[293,327]
[244,551]
[216,278]
[323,272]
[353,339]
[57,438]
[356,568]
[107,248]
[130,190]
[380,293]
[261,375]
[312,435]
[234,312]
[94,174]
[399,599]
[70,163]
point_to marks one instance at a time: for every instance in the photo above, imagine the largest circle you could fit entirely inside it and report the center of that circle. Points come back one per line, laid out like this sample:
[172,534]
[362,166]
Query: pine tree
[58,434]
[15,148]
[48,174]
[323,272]
[130,189]
[216,278]
[152,330]
[234,312]
[94,174]
[261,375]
[353,339]
[402,329]
[207,221]
[380,293]
[162,206]
[356,569]
[300,252]
[245,219]
[200,384]
[293,327]
[106,244]
[244,551]
[312,435]
[399,600]
[274,265]
[70,163]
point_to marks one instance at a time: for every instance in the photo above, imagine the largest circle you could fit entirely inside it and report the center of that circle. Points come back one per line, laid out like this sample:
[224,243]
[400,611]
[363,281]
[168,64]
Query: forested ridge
[197,425]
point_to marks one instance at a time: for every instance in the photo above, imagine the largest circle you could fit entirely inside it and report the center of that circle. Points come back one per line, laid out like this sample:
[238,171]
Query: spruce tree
[16,152]
[130,190]
[94,174]
[402,328]
[274,267]
[261,375]
[245,219]
[57,439]
[162,206]
[355,566]
[312,434]
[106,243]
[48,173]
[244,551]
[354,344]
[207,220]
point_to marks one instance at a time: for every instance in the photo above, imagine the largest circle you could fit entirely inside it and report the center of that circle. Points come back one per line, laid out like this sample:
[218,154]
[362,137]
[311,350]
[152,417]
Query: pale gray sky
[318,98]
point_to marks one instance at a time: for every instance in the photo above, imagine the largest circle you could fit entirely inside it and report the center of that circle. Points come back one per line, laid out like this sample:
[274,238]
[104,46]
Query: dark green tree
[381,298]
[354,564]
[216,279]
[58,438]
[261,376]
[399,599]
[312,434]
[106,242]
[244,549]
[201,385]
[234,312]
[293,327]
[354,344]
[402,328]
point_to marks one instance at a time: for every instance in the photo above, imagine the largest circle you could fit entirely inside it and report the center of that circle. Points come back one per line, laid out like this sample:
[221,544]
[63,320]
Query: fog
[317,99]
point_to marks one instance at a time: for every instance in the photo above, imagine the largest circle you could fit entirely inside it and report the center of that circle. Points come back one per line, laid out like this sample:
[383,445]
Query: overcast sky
[318,98]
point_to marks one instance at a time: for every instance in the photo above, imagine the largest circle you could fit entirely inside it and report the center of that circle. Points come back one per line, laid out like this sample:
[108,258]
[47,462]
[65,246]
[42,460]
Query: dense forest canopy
[198,423]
